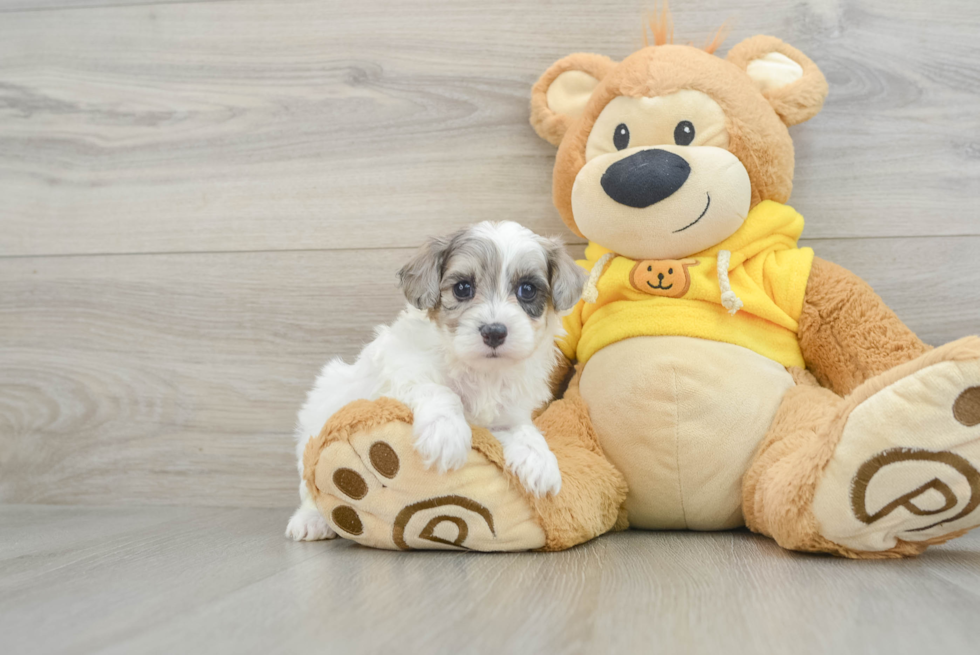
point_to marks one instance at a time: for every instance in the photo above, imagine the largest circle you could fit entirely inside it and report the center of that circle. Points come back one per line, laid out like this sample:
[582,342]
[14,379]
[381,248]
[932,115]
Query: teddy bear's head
[664,153]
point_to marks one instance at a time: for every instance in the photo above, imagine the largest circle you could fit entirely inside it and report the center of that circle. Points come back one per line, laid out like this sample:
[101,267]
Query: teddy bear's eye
[670,271]
[621,137]
[684,133]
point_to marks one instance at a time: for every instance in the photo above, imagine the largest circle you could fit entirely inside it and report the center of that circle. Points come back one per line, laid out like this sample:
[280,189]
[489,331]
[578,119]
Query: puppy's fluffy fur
[474,346]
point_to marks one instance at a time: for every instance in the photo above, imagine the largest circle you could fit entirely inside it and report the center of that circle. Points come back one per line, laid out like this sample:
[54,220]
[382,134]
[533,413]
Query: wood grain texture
[173,376]
[268,124]
[175,379]
[61,5]
[226,581]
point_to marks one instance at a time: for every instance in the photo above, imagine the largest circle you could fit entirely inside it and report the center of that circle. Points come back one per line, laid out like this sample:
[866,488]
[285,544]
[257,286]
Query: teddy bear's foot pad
[373,489]
[907,466]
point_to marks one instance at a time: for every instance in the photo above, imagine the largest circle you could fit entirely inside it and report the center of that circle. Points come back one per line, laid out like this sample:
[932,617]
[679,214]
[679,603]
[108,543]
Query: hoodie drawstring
[729,300]
[591,292]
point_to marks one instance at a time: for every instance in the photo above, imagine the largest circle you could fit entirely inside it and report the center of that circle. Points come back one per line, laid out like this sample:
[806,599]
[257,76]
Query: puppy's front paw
[306,524]
[535,466]
[443,440]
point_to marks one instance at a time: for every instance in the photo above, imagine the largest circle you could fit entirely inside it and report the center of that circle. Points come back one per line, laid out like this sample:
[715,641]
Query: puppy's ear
[419,278]
[567,277]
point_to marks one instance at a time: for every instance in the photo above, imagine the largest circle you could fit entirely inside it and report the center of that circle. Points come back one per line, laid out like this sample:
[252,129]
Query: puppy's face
[495,289]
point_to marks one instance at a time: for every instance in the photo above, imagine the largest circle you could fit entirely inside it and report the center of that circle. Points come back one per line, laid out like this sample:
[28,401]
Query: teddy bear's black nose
[645,178]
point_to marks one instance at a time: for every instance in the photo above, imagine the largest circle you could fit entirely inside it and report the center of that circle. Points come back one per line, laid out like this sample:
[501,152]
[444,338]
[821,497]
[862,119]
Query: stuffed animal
[724,376]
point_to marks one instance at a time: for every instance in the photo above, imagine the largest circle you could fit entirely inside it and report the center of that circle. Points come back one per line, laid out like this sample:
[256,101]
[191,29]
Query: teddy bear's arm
[847,332]
[561,375]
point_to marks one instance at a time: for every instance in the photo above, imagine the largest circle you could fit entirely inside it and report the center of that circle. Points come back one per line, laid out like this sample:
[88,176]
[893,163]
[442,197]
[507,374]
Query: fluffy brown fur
[847,332]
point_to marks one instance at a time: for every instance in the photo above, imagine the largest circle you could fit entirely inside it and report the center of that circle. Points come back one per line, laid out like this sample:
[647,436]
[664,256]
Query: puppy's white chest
[486,415]
[487,402]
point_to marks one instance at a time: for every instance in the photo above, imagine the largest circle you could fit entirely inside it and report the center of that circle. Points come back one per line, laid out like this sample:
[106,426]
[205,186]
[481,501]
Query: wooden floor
[204,580]
[203,200]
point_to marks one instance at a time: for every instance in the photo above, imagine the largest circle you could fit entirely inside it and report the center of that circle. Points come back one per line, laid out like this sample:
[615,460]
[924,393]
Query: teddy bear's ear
[560,95]
[792,84]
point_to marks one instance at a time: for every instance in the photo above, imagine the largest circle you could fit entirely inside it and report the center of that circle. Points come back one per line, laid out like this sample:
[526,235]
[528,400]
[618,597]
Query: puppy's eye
[684,133]
[621,137]
[463,290]
[527,292]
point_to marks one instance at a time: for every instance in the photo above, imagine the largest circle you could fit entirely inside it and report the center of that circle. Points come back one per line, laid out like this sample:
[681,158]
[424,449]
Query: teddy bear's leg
[847,333]
[371,486]
[884,472]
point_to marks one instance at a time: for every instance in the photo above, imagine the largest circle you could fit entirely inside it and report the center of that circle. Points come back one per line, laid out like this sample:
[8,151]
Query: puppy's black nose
[494,334]
[645,178]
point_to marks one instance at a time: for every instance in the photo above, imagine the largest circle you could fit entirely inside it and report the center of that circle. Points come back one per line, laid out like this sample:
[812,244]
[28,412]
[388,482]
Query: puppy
[475,345]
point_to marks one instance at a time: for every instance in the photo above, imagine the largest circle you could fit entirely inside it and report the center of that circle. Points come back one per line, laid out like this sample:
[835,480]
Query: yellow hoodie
[768,272]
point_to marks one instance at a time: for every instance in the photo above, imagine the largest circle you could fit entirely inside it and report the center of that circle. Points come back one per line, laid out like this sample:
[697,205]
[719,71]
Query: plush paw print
[374,488]
[907,466]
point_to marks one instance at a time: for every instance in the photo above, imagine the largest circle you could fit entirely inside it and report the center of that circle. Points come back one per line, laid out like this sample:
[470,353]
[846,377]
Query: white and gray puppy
[475,345]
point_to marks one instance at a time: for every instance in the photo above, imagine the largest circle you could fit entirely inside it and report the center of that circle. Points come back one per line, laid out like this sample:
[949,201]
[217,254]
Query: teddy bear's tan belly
[682,418]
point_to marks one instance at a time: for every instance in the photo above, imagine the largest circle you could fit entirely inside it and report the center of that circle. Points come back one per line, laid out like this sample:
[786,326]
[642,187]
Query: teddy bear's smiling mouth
[698,218]
[660,286]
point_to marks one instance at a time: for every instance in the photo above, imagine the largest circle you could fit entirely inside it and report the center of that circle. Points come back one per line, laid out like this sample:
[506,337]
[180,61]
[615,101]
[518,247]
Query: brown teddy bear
[724,377]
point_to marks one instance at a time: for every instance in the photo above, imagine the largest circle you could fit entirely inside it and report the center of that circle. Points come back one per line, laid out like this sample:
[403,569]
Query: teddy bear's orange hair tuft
[717,39]
[661,29]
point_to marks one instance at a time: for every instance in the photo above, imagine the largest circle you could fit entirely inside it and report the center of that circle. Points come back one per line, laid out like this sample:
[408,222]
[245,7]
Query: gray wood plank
[133,377]
[7,6]
[262,124]
[27,528]
[74,599]
[175,379]
[230,583]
